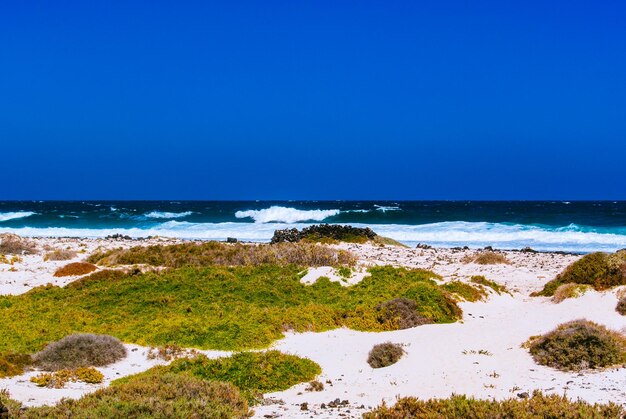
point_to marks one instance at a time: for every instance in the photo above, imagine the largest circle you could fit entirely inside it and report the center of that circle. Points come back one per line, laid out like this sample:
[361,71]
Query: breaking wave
[288,215]
[6,216]
[168,215]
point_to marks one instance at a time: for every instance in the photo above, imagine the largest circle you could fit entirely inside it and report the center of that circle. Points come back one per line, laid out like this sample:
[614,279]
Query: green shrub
[59,378]
[80,350]
[599,270]
[566,291]
[218,253]
[75,269]
[325,233]
[253,373]
[538,406]
[384,354]
[578,345]
[155,396]
[400,313]
[212,308]
[465,291]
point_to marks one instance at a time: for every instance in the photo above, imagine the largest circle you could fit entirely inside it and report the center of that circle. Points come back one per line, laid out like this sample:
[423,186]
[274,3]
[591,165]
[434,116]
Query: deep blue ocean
[549,225]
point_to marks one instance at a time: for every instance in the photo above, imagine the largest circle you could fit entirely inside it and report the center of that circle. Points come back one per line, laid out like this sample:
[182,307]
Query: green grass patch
[599,270]
[232,308]
[539,406]
[253,373]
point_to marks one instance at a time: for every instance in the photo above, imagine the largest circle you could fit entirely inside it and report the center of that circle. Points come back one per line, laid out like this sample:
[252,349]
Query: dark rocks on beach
[523,395]
[304,406]
[231,240]
[118,237]
[488,248]
[323,231]
[528,249]
[423,246]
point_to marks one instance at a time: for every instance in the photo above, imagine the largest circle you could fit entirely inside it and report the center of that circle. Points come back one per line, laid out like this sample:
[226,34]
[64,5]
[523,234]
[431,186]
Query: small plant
[566,291]
[400,313]
[621,306]
[166,352]
[385,354]
[487,257]
[344,272]
[80,350]
[578,345]
[75,269]
[315,386]
[60,254]
[59,378]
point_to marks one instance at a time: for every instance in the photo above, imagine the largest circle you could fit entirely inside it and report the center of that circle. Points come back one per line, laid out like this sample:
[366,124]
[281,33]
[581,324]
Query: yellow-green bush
[155,396]
[577,345]
[212,308]
[59,378]
[539,406]
[75,269]
[599,270]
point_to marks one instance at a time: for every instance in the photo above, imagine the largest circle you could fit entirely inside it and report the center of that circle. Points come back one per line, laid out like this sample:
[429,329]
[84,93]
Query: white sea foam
[278,214]
[385,209]
[168,215]
[6,216]
[447,234]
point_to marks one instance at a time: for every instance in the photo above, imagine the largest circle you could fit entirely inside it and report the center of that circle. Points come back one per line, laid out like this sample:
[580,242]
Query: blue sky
[313,100]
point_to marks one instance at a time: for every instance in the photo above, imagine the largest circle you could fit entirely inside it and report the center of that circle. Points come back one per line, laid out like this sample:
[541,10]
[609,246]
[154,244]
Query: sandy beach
[480,356]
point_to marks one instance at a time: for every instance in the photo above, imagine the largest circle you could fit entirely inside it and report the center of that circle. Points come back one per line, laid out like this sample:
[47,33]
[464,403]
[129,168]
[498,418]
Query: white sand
[434,365]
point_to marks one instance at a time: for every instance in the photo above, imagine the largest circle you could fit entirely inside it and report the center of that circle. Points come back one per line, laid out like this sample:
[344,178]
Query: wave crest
[276,214]
[167,215]
[6,216]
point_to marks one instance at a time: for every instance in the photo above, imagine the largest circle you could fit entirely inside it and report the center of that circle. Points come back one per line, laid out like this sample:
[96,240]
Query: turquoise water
[547,225]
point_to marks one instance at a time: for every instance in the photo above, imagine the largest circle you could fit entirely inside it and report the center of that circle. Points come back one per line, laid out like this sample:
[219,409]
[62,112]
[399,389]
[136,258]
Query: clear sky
[313,100]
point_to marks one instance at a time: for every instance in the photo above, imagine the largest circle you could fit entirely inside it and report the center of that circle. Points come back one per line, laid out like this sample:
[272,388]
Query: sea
[577,226]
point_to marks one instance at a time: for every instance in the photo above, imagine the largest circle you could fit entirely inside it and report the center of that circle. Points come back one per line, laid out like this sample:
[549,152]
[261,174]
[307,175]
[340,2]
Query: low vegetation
[487,257]
[465,291]
[12,244]
[232,308]
[578,345]
[253,373]
[481,280]
[160,396]
[59,378]
[400,313]
[539,406]
[566,291]
[75,269]
[384,355]
[13,364]
[59,255]
[80,350]
[218,253]
[332,234]
[599,270]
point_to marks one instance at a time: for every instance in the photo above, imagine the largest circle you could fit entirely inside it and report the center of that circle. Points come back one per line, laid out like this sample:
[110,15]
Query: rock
[528,249]
[118,237]
[304,406]
[488,248]
[231,240]
[523,395]
[323,231]
[423,246]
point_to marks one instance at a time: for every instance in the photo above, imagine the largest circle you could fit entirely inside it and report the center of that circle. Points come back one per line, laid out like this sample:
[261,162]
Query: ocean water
[550,225]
